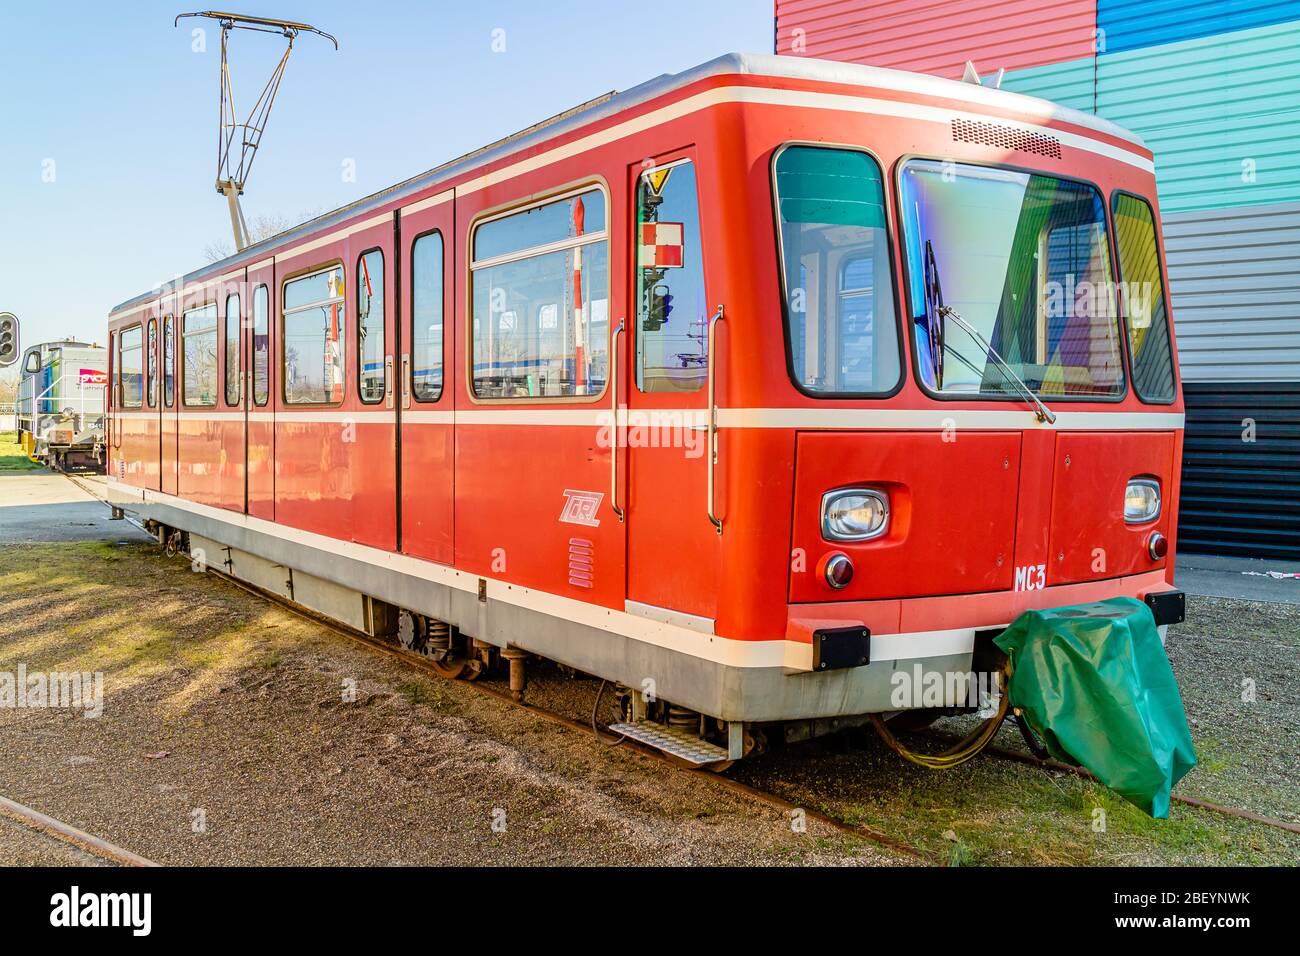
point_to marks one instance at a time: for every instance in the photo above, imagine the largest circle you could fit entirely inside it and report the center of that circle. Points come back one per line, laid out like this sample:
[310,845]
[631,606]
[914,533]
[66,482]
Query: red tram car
[747,389]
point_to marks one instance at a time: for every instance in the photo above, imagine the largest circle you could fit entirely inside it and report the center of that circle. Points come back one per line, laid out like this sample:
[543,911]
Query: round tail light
[839,571]
[1157,546]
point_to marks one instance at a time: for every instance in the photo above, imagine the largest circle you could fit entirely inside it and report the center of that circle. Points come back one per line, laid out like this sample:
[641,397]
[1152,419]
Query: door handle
[613,452]
[388,381]
[713,418]
[406,381]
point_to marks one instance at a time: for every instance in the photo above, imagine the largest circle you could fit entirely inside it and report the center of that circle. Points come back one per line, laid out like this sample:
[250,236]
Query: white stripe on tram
[884,419]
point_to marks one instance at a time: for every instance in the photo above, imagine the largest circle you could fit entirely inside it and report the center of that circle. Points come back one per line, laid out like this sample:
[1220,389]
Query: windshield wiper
[1041,411]
[936,314]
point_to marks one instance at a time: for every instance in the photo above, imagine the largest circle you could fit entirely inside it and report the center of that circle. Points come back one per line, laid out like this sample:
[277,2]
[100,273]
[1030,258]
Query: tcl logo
[1032,577]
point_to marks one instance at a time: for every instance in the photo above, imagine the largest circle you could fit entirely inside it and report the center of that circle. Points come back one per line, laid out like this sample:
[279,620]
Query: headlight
[854,514]
[1141,500]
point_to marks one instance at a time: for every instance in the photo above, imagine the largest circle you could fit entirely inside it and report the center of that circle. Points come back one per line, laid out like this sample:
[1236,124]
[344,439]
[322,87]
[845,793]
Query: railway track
[41,823]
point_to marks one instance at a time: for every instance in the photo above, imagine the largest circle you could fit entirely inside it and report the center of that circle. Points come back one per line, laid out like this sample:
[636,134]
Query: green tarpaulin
[1094,684]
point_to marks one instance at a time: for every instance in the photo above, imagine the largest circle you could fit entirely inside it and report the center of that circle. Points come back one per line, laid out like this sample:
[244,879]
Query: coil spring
[439,637]
[682,718]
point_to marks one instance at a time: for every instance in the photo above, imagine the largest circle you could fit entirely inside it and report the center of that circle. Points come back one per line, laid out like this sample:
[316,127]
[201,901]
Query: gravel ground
[226,739]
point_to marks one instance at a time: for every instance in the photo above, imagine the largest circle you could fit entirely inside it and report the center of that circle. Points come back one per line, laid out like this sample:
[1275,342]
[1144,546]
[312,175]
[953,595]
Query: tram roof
[613,103]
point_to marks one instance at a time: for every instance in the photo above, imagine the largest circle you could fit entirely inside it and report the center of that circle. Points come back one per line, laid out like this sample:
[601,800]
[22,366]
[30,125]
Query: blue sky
[110,102]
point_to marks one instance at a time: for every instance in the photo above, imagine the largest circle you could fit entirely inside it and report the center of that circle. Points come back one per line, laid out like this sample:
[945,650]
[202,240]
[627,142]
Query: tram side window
[370,326]
[839,297]
[540,292]
[672,334]
[1143,295]
[426,317]
[199,356]
[261,346]
[151,365]
[312,343]
[232,350]
[169,362]
[129,365]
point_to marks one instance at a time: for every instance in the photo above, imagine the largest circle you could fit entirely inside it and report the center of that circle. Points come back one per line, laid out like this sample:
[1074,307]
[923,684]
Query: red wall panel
[938,36]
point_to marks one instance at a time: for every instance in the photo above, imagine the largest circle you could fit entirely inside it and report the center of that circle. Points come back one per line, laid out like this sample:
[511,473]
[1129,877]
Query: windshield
[1024,260]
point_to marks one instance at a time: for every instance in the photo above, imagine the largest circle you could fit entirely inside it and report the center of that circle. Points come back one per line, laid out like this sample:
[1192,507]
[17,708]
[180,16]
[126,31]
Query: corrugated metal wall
[1235,278]
[1213,86]
[938,36]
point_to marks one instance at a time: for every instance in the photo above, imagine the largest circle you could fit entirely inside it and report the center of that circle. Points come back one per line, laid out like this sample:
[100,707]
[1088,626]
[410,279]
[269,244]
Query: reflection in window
[370,326]
[1024,259]
[835,270]
[541,318]
[169,361]
[129,359]
[232,350]
[313,338]
[199,360]
[151,364]
[1144,299]
[426,318]
[261,346]
[672,332]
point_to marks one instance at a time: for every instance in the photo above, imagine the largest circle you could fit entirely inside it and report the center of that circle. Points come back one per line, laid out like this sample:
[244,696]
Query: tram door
[427,440]
[259,375]
[168,432]
[671,539]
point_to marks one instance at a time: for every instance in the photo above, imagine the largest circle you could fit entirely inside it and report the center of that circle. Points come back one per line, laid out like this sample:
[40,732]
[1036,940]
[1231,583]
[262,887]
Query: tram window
[672,332]
[169,362]
[842,332]
[1143,295]
[129,359]
[312,349]
[232,350]
[370,326]
[151,365]
[261,346]
[199,356]
[426,317]
[540,293]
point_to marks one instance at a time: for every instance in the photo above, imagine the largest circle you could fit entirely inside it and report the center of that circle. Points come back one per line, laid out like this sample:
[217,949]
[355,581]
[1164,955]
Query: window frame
[383,325]
[169,355]
[151,362]
[680,157]
[891,244]
[1114,398]
[318,269]
[121,333]
[442,315]
[265,290]
[226,380]
[1164,292]
[216,328]
[504,211]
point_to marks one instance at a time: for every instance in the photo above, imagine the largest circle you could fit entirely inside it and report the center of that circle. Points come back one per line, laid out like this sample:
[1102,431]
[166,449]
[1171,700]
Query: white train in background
[60,408]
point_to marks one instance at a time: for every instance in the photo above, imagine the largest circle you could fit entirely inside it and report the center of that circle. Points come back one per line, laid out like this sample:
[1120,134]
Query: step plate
[679,743]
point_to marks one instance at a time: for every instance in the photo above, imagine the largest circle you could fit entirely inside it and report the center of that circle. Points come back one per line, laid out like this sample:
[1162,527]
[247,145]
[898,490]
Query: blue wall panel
[1129,24]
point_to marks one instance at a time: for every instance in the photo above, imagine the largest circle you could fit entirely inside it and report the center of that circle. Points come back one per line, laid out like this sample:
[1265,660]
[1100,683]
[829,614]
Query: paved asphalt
[43,506]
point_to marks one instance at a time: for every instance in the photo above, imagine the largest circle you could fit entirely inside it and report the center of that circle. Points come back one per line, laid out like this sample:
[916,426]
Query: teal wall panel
[1069,83]
[1221,114]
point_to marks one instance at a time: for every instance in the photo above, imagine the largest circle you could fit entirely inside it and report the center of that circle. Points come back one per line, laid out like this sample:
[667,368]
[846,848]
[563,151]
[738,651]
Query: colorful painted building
[1213,86]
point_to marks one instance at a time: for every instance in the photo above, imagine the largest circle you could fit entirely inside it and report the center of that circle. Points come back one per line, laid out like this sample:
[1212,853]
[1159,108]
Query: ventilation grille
[1007,137]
